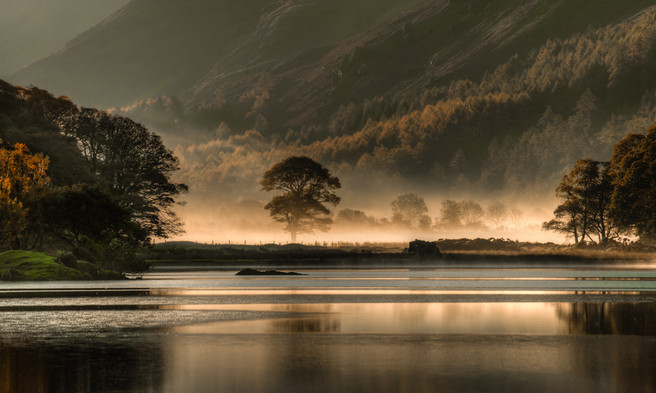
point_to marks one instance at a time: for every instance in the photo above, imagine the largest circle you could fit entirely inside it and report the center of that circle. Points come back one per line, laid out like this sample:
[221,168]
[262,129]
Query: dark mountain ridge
[154,47]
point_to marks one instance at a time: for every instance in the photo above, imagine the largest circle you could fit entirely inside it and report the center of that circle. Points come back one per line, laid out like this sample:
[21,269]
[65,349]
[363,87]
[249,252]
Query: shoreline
[403,261]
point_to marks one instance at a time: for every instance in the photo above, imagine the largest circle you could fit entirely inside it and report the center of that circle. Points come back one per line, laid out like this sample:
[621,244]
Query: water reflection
[609,318]
[337,347]
[390,318]
[325,323]
[448,330]
[87,366]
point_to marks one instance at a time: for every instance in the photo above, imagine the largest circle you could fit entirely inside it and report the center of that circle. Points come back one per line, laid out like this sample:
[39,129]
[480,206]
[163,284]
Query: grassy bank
[187,255]
[36,266]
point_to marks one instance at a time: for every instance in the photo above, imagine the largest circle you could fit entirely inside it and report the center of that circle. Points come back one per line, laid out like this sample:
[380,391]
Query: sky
[33,29]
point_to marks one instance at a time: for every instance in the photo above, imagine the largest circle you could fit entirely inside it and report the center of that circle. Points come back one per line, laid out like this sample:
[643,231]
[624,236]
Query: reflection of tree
[626,360]
[411,316]
[306,325]
[609,318]
[88,367]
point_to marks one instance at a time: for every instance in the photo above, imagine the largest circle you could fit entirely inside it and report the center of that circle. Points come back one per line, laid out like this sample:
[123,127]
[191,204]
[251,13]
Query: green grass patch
[19,265]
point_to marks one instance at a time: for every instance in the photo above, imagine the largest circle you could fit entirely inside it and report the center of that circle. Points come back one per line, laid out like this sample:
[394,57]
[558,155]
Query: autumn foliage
[23,180]
[98,185]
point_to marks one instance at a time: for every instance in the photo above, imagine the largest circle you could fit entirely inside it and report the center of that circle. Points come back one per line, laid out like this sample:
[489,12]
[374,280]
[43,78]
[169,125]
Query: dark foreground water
[470,329]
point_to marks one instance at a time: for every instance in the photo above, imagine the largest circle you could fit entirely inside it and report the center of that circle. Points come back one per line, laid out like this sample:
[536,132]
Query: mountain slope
[155,47]
[519,127]
[428,45]
[33,29]
[433,96]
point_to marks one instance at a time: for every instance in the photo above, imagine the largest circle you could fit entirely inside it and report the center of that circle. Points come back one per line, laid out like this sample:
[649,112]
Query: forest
[81,182]
[516,129]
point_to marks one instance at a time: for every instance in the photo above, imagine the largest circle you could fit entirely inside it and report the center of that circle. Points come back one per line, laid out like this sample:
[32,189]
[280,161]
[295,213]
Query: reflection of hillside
[609,318]
[92,367]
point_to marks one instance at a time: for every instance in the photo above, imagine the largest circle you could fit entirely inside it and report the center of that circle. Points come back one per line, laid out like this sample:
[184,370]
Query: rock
[424,249]
[253,272]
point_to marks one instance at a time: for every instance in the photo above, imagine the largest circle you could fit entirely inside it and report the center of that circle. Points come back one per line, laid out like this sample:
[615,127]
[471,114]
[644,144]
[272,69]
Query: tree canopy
[307,186]
[633,203]
[23,179]
[132,163]
[98,184]
[586,193]
[410,209]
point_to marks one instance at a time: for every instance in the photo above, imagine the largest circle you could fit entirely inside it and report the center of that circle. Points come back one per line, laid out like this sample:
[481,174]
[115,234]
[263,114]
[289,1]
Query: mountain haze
[154,47]
[485,99]
[33,29]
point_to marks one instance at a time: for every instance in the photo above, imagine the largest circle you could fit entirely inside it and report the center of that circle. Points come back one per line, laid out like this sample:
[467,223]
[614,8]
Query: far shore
[475,253]
[460,253]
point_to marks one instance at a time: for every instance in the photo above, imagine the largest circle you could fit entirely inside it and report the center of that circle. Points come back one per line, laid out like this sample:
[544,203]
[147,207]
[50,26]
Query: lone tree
[306,187]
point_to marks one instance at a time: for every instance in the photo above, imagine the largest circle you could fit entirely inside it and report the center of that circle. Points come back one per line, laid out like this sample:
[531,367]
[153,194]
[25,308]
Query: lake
[447,328]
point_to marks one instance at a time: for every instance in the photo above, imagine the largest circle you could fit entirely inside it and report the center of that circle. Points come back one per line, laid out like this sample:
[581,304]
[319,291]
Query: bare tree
[472,213]
[497,212]
[517,216]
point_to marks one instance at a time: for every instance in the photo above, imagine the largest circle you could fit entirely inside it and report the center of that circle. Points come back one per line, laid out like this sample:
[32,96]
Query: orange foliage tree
[23,180]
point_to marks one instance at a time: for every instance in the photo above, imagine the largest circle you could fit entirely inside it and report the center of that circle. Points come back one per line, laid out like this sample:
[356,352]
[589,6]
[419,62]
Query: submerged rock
[253,272]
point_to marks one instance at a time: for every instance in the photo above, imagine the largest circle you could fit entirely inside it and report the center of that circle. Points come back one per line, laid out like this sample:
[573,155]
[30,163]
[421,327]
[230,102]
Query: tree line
[81,180]
[307,187]
[604,200]
[410,212]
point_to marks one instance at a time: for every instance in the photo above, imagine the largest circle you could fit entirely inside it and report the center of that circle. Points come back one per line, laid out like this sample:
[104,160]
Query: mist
[482,103]
[225,203]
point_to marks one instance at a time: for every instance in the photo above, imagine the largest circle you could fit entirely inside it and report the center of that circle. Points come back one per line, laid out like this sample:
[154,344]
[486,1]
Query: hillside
[33,29]
[495,100]
[428,45]
[517,128]
[154,47]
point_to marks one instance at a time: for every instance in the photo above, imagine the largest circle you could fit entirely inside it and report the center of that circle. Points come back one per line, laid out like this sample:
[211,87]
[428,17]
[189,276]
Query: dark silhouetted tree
[95,225]
[133,164]
[633,167]
[586,193]
[307,186]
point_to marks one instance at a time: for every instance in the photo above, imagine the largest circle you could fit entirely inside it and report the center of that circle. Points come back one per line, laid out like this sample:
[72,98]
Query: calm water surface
[538,329]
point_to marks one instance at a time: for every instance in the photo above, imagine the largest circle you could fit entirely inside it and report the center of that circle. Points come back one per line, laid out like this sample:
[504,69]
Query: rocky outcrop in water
[253,272]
